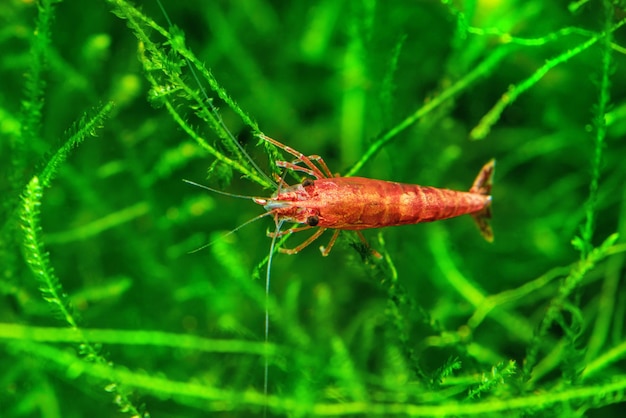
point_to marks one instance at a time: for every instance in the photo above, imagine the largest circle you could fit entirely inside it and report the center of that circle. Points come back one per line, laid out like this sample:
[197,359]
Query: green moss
[105,109]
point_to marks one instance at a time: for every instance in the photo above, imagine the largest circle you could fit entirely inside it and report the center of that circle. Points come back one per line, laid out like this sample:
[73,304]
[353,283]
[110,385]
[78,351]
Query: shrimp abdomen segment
[359,203]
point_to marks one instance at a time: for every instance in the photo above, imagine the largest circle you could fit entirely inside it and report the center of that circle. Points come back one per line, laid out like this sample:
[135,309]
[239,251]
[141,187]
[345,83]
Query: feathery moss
[108,313]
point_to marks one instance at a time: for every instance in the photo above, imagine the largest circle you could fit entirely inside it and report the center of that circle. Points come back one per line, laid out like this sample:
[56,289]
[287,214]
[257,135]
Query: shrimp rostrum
[326,202]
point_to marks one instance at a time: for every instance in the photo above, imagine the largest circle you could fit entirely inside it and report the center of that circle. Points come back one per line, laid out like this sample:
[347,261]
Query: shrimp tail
[482,185]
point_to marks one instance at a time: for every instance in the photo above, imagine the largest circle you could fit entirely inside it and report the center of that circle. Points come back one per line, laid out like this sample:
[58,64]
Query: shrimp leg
[308,161]
[307,242]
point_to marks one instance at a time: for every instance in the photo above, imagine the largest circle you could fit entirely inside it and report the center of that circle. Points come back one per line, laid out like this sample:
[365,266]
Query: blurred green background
[444,324]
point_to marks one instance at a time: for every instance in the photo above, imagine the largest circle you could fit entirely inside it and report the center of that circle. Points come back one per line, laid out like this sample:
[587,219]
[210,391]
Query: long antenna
[238,196]
[213,109]
[279,224]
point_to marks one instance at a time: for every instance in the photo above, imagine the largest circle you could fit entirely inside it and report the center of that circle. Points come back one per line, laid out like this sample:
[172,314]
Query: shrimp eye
[312,220]
[307,182]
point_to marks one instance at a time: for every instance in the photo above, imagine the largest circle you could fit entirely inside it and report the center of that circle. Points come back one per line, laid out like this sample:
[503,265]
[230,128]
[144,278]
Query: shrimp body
[355,203]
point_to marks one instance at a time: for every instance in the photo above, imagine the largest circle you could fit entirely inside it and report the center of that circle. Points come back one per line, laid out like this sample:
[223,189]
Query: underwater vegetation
[108,310]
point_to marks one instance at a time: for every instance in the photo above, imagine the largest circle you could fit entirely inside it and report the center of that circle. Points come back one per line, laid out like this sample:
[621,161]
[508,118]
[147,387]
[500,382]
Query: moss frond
[51,289]
[37,257]
[446,370]
[169,88]
[490,382]
[86,126]
[559,302]
[35,82]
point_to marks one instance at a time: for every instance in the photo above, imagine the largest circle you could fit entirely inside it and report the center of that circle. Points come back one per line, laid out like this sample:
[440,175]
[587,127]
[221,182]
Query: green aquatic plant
[109,312]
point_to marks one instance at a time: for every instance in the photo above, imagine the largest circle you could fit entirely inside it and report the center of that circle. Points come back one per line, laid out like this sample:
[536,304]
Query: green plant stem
[605,393]
[483,128]
[480,70]
[10,331]
[600,127]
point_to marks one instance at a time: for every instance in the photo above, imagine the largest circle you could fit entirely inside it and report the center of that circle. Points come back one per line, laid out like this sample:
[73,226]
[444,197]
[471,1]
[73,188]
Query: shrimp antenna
[213,109]
[238,196]
[248,222]
[279,224]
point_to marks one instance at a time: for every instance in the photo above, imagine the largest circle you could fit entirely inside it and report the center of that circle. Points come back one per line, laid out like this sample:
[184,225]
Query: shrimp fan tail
[482,185]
